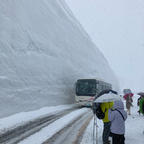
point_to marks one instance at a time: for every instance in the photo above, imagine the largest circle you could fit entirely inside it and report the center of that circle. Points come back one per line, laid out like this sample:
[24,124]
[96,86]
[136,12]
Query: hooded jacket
[117,121]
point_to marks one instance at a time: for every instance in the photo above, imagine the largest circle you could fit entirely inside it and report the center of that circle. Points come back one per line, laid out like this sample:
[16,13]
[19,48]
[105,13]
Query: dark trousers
[118,139]
[106,131]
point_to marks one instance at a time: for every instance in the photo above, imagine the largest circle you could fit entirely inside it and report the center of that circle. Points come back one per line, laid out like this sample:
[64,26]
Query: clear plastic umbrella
[108,98]
[141,94]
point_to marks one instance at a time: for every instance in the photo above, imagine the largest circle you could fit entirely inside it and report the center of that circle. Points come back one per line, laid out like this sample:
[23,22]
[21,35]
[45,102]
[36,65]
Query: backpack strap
[121,114]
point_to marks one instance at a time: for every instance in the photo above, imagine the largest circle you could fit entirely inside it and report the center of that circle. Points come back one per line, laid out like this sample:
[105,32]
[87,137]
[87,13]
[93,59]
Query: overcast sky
[117,28]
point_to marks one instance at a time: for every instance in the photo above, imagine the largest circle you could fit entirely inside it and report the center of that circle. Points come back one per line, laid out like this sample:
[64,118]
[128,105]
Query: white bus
[87,89]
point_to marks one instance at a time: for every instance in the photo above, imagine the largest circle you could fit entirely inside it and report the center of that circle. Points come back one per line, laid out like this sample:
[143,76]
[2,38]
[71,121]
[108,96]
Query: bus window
[86,87]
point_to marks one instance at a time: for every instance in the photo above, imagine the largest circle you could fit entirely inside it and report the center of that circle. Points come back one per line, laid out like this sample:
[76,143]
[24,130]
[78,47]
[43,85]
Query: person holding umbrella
[106,98]
[128,97]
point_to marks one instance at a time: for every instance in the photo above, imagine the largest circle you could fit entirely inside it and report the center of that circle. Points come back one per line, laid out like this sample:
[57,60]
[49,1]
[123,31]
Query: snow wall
[43,51]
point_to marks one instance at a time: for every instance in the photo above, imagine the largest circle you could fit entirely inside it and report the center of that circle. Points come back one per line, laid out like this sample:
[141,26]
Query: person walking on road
[129,100]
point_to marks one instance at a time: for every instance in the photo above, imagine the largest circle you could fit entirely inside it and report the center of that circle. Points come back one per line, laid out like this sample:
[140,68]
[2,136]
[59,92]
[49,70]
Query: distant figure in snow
[117,116]
[129,100]
[138,104]
[141,103]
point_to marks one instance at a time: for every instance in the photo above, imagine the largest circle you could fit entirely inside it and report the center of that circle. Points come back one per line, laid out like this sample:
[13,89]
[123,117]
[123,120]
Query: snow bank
[43,51]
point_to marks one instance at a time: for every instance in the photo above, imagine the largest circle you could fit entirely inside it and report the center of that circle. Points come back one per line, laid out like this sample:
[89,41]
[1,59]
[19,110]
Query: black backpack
[98,111]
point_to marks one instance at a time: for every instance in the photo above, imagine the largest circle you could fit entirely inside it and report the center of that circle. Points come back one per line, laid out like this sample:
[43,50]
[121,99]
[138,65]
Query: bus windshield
[86,87]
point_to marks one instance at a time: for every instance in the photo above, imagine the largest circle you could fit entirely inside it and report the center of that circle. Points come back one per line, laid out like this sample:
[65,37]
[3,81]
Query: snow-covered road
[53,128]
[23,127]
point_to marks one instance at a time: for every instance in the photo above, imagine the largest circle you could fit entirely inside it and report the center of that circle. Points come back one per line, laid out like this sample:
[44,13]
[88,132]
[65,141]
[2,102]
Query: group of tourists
[115,116]
[140,102]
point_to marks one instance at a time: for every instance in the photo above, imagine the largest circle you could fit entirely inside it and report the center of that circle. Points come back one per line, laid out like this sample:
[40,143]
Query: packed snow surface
[43,51]
[53,128]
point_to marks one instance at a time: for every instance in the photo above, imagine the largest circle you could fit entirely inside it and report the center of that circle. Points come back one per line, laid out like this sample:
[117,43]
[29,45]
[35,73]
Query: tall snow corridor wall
[43,51]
